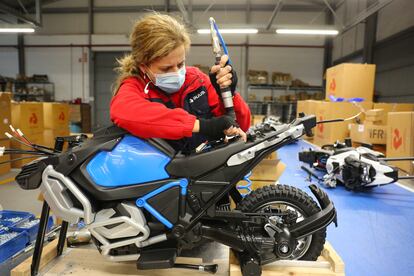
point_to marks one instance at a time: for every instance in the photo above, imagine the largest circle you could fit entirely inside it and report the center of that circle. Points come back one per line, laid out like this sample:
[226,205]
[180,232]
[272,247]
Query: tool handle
[226,96]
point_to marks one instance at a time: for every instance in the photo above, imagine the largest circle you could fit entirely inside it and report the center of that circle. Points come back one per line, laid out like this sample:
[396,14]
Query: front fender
[317,221]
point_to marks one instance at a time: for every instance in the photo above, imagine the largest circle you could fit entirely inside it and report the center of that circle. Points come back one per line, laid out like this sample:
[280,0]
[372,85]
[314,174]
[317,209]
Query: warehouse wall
[353,39]
[8,56]
[394,59]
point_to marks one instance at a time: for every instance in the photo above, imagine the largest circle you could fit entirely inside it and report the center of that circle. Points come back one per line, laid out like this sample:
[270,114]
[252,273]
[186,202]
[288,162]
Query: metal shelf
[284,87]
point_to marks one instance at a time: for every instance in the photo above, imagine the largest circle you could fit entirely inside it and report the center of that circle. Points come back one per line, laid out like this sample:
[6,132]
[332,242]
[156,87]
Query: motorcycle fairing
[132,161]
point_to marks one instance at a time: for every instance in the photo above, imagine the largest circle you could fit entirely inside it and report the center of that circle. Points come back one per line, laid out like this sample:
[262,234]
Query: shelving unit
[24,91]
[286,110]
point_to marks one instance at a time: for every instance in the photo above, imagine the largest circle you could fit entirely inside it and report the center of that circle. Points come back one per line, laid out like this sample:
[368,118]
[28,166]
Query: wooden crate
[88,261]
[328,264]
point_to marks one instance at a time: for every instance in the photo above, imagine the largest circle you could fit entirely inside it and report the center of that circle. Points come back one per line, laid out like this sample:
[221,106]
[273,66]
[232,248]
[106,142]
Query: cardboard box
[56,115]
[28,116]
[392,107]
[75,113]
[5,168]
[268,170]
[330,132]
[35,138]
[400,140]
[308,107]
[257,119]
[49,136]
[348,80]
[375,117]
[5,113]
[369,133]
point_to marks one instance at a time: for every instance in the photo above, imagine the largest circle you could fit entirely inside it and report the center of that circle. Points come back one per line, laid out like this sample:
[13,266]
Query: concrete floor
[12,197]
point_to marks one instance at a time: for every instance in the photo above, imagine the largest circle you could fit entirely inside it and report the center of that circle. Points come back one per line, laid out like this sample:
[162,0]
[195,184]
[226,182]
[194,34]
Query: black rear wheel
[289,199]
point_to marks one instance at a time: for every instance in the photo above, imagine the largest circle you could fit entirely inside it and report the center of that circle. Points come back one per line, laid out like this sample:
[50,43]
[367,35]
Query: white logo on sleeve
[196,97]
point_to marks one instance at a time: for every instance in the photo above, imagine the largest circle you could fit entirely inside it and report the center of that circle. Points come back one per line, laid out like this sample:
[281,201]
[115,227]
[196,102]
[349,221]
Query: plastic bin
[11,218]
[11,243]
[31,226]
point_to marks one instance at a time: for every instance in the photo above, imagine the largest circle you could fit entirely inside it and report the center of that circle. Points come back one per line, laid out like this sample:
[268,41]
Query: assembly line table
[375,234]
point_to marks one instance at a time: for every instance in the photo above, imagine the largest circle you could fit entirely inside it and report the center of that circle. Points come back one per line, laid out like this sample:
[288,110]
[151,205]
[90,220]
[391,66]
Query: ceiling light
[230,31]
[307,32]
[16,28]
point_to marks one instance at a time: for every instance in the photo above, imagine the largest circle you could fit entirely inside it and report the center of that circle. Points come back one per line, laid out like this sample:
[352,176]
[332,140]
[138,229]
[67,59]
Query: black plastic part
[223,236]
[311,173]
[62,237]
[317,221]
[348,142]
[206,268]
[249,266]
[199,164]
[309,157]
[30,176]
[308,122]
[41,233]
[166,203]
[157,259]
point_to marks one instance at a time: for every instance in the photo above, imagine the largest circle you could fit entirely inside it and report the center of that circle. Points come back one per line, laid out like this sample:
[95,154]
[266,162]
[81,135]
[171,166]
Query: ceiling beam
[13,12]
[174,8]
[276,10]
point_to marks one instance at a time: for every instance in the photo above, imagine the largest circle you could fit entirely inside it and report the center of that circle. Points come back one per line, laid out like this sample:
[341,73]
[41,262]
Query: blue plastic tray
[11,218]
[31,230]
[13,245]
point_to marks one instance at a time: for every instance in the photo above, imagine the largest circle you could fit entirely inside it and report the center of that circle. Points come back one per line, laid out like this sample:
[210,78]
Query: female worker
[157,96]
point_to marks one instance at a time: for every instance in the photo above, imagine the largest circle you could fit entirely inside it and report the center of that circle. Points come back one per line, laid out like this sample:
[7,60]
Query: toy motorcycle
[144,202]
[357,168]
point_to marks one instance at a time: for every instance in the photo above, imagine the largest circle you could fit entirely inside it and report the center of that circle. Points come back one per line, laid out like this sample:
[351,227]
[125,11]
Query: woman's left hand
[222,75]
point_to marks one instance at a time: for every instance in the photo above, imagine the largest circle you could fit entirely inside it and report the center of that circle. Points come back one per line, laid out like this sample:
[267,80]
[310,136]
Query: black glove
[233,85]
[214,127]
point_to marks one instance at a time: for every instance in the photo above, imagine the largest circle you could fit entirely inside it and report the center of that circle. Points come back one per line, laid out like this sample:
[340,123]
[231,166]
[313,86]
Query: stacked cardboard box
[392,107]
[56,122]
[372,131]
[5,115]
[350,80]
[330,132]
[81,114]
[400,141]
[28,117]
[280,78]
[257,77]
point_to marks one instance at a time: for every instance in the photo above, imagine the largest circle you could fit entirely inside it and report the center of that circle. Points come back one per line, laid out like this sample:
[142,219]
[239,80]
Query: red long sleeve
[131,111]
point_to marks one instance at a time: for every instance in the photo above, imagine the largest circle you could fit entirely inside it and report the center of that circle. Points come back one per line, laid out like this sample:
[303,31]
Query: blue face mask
[170,82]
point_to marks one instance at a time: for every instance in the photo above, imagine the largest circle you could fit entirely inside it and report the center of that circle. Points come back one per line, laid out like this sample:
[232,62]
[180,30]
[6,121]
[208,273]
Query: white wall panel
[8,62]
[64,66]
[76,23]
[302,63]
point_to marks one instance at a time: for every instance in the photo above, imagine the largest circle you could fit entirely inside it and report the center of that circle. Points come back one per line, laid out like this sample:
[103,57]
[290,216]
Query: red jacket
[145,113]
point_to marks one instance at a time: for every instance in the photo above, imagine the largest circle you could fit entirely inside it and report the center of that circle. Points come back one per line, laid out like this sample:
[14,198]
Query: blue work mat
[375,234]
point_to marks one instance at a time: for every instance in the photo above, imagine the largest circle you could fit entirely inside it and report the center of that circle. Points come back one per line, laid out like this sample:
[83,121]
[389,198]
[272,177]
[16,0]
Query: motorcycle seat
[198,164]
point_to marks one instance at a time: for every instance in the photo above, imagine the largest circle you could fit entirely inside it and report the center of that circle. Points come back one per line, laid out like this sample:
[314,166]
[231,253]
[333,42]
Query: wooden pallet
[88,261]
[328,264]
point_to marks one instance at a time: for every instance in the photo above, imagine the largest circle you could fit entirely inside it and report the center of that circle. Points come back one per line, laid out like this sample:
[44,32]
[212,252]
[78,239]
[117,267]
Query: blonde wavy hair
[153,37]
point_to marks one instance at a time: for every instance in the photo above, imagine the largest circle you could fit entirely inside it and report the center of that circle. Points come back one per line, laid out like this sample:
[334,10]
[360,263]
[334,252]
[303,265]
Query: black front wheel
[295,202]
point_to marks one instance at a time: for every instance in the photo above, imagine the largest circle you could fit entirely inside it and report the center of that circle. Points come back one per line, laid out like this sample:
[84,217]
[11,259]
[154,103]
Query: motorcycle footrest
[157,259]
